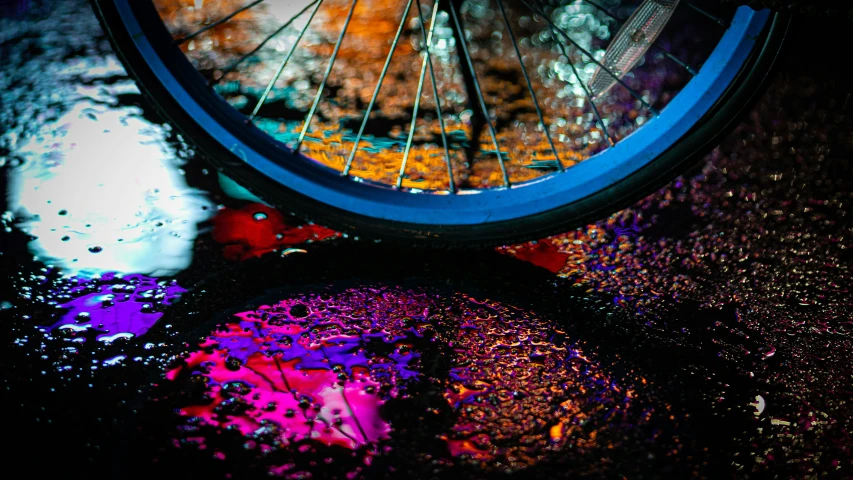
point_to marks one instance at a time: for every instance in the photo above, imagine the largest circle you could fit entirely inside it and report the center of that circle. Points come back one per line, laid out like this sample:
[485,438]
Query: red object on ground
[542,254]
[257,229]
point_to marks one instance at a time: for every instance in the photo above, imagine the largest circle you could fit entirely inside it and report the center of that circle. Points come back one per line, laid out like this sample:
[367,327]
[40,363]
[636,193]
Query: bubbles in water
[752,255]
[509,393]
[114,305]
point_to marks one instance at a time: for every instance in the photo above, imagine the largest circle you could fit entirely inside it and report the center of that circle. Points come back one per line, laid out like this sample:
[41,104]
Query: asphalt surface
[703,332]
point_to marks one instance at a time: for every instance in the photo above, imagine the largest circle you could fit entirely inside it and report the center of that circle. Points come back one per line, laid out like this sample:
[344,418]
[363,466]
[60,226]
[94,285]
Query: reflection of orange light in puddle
[556,432]
[466,447]
[186,16]
[518,395]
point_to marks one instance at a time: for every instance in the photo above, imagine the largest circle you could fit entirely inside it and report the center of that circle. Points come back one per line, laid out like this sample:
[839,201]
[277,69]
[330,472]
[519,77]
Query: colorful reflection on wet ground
[321,367]
[115,306]
[160,327]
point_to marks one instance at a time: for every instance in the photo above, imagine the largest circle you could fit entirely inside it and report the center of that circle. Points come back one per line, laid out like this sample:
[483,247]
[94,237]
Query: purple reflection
[117,306]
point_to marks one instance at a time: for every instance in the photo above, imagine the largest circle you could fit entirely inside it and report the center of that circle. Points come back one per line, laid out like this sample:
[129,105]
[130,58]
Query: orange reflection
[331,136]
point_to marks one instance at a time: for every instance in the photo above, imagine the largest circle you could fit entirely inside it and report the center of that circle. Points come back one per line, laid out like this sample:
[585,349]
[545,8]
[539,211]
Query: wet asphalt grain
[721,303]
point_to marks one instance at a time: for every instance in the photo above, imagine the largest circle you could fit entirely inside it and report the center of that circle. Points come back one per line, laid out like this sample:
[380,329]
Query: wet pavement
[152,325]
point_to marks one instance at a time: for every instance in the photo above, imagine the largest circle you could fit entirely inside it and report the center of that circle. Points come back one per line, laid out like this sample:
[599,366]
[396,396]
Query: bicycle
[549,114]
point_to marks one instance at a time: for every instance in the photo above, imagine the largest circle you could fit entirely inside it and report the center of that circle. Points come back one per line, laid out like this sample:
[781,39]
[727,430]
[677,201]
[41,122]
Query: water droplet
[233,364]
[299,310]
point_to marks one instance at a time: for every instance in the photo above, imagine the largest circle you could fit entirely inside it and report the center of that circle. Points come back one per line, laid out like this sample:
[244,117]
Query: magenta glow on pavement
[317,370]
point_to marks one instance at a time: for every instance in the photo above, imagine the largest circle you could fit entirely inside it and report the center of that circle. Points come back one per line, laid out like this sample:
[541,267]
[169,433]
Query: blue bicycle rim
[473,207]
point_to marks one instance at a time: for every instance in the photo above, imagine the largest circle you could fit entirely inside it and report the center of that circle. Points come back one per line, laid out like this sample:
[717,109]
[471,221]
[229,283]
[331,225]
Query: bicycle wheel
[453,122]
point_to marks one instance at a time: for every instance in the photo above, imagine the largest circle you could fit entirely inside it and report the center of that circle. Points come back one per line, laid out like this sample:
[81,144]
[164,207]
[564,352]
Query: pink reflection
[317,370]
[303,378]
[304,404]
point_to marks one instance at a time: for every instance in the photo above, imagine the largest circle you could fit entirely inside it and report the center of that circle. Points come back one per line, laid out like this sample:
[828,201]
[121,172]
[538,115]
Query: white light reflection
[102,191]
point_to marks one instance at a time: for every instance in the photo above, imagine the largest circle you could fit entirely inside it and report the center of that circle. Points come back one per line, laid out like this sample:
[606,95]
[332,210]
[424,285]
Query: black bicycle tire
[719,121]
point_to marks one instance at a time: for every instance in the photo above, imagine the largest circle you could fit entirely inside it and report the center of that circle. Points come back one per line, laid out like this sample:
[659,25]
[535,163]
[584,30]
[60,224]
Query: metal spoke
[427,42]
[677,60]
[286,59]
[451,183]
[384,72]
[719,21]
[230,68]
[603,10]
[586,91]
[215,24]
[325,77]
[529,85]
[666,52]
[565,35]
[478,91]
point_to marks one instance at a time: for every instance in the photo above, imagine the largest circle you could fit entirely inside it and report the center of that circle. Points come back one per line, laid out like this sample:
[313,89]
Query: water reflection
[760,239]
[114,306]
[101,190]
[509,390]
[257,229]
